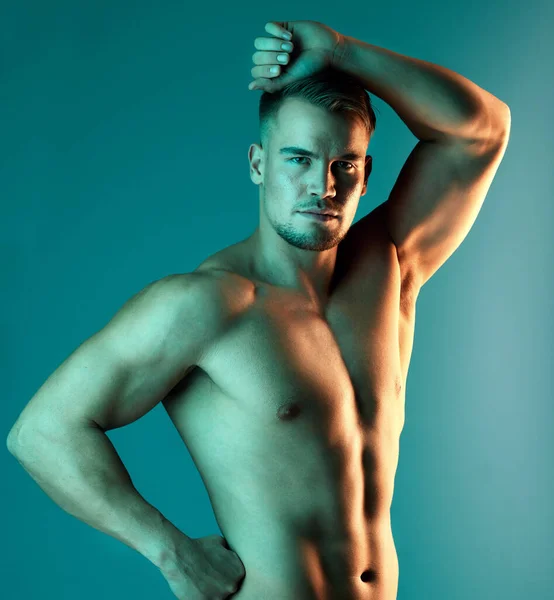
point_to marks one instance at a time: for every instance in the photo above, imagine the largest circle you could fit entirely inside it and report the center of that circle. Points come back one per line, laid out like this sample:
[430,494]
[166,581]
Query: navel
[368,575]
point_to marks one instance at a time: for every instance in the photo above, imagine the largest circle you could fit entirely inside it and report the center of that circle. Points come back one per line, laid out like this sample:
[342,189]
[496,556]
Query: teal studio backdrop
[125,128]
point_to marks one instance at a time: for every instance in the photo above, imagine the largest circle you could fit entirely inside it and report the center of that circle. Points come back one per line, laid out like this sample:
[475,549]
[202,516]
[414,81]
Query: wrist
[171,540]
[156,543]
[338,57]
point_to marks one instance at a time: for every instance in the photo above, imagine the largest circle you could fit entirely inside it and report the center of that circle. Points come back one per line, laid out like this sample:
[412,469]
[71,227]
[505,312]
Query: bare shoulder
[228,266]
[164,314]
[182,312]
[212,294]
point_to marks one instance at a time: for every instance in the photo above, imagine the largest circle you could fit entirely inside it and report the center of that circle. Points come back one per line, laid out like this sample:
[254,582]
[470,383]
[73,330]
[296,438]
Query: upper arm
[126,368]
[436,200]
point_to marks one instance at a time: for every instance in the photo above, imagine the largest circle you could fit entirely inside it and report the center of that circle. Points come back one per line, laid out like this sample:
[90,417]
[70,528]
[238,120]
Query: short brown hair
[329,88]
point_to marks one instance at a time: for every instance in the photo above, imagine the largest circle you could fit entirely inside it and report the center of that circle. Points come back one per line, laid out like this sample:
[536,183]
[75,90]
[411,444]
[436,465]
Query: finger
[265,43]
[279,29]
[265,71]
[270,58]
[260,84]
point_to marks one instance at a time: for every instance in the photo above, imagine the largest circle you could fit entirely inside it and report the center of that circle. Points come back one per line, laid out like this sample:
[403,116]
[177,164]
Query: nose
[322,182]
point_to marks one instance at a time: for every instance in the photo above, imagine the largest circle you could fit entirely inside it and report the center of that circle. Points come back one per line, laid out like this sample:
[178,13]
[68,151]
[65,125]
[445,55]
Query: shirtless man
[282,359]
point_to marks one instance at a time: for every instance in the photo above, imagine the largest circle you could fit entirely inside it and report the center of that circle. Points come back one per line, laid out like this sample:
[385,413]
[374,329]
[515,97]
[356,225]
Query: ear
[255,157]
[367,172]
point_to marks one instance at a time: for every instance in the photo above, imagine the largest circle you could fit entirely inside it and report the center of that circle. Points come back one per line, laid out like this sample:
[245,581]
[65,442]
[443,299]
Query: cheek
[283,182]
[284,175]
[275,177]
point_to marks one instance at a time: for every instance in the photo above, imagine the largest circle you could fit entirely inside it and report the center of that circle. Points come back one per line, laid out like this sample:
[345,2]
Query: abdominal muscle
[309,522]
[284,561]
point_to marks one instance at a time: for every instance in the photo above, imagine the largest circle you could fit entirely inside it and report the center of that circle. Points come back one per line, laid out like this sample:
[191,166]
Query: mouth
[319,216]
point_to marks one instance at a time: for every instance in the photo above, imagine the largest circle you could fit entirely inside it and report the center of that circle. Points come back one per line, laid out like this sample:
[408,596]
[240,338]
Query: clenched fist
[306,47]
[203,569]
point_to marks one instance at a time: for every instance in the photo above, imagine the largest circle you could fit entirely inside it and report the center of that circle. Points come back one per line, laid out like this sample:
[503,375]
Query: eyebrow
[309,154]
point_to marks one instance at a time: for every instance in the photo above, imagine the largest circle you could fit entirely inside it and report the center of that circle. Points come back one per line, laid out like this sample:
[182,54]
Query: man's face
[291,182]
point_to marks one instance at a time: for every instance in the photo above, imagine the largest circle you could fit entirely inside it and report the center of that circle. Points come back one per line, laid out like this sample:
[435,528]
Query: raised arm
[111,380]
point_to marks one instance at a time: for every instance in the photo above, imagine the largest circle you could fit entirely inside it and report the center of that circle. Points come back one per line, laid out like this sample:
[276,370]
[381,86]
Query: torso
[293,420]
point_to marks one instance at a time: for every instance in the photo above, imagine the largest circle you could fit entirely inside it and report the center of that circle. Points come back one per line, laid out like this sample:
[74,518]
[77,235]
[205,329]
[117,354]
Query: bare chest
[288,371]
[284,361]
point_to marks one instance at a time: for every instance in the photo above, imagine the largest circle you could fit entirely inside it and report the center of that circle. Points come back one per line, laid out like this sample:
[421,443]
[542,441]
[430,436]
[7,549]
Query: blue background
[125,131]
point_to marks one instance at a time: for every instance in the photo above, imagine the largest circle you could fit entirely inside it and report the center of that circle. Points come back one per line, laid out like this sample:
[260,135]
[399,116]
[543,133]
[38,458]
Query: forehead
[300,123]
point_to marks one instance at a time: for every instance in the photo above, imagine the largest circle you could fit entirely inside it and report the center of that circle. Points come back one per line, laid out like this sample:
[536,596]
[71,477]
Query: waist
[285,558]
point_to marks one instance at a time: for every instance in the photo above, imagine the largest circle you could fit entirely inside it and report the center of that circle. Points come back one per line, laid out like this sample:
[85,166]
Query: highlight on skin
[345,103]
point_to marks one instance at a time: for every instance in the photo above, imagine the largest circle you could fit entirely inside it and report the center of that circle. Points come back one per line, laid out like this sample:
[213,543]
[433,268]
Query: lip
[319,212]
[319,216]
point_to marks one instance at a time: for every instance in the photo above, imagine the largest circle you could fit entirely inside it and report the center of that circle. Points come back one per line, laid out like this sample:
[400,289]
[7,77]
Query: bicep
[435,202]
[125,369]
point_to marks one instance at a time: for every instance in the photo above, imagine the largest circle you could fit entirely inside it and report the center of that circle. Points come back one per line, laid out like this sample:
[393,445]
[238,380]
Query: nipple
[288,411]
[368,575]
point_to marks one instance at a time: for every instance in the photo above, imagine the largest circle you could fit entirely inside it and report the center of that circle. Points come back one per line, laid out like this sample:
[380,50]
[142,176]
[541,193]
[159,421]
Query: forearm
[436,103]
[81,471]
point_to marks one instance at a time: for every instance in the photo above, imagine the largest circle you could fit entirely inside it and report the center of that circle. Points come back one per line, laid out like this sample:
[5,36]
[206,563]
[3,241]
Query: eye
[299,157]
[351,166]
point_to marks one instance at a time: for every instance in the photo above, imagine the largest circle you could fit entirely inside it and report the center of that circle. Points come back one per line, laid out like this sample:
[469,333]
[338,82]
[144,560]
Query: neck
[276,262]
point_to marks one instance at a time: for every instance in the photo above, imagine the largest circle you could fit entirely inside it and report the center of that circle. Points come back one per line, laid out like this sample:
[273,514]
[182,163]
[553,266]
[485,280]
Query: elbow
[11,441]
[15,440]
[501,123]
